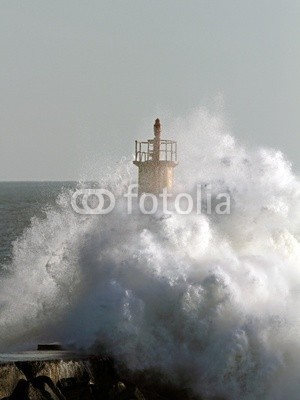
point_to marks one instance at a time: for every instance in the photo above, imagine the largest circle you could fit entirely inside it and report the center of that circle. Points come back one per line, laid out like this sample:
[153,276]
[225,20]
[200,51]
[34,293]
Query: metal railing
[144,151]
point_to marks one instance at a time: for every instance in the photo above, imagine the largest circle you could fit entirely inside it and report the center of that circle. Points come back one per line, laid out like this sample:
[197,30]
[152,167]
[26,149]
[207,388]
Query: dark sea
[19,203]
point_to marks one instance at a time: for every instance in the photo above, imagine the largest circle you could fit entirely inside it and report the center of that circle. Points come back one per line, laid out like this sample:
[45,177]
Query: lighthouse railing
[144,151]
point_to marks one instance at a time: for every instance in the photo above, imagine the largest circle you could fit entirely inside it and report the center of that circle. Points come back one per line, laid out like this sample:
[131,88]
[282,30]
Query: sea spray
[210,301]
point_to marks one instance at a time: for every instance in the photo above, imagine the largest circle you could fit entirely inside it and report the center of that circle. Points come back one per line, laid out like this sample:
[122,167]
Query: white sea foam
[210,301]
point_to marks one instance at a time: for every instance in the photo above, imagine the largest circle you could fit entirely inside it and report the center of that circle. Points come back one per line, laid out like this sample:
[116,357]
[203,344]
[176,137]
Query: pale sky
[79,78]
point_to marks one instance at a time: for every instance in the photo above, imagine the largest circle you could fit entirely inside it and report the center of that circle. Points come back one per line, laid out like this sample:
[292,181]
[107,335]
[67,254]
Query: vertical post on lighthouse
[156,144]
[156,160]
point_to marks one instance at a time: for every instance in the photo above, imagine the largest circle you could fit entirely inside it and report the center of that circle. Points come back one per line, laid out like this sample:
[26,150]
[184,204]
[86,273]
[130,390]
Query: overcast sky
[79,78]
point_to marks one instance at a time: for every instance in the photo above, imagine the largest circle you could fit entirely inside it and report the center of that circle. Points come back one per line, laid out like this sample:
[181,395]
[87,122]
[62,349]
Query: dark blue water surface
[19,202]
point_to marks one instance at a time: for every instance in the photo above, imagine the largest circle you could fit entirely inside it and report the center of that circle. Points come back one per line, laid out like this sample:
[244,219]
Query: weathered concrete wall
[9,377]
[61,369]
[154,177]
[89,378]
[56,370]
[51,375]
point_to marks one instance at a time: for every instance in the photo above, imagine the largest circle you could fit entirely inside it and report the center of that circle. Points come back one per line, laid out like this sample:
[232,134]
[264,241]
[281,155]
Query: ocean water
[210,301]
[19,203]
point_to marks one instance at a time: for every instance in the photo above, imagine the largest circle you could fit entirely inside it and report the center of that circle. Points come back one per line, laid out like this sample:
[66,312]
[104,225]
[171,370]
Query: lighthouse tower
[156,160]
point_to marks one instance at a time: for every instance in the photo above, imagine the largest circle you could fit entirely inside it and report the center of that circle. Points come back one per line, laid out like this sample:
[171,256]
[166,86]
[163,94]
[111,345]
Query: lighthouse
[156,160]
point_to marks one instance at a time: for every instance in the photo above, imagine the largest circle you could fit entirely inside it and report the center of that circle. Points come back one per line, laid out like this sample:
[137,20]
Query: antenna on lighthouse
[156,160]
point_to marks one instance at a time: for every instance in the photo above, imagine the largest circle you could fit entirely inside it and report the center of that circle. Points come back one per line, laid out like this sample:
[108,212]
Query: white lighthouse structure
[156,160]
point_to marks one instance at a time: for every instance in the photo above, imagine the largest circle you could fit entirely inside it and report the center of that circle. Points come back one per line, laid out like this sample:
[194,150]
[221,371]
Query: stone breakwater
[89,378]
[86,378]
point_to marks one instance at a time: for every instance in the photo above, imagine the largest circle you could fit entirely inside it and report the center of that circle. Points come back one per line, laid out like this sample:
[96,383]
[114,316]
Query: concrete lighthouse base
[154,177]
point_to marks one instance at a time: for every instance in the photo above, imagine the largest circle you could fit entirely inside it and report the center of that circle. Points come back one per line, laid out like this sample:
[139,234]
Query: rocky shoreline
[85,378]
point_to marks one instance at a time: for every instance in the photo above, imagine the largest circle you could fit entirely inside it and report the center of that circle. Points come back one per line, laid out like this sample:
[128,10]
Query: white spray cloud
[210,301]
